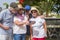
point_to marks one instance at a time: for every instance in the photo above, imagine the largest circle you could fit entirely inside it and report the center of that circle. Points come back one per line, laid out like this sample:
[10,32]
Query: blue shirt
[6,18]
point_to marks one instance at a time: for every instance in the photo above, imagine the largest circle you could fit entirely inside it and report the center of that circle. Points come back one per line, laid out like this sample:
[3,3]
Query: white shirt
[38,30]
[19,29]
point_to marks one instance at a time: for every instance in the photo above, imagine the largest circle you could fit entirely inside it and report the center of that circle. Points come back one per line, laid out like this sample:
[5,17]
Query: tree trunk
[47,13]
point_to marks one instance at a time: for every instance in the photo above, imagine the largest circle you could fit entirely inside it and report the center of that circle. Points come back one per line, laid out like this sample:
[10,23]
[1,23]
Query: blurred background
[48,8]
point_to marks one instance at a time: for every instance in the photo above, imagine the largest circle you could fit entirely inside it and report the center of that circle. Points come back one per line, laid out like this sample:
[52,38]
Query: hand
[27,22]
[6,27]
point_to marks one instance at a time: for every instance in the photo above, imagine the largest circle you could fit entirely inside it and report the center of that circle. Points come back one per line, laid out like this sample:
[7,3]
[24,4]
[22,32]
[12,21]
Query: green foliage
[6,4]
[43,5]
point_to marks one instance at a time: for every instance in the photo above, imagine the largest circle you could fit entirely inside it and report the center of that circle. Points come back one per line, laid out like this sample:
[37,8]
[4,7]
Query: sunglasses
[34,11]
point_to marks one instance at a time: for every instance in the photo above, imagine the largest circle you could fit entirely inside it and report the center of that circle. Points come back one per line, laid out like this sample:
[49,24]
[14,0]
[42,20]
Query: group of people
[22,23]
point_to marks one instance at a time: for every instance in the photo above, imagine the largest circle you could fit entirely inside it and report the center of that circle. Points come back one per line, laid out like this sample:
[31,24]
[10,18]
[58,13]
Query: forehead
[34,11]
[13,9]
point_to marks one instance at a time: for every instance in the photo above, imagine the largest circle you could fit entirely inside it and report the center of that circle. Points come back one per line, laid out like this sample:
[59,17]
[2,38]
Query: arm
[30,23]
[30,29]
[31,32]
[1,18]
[45,27]
[42,16]
[19,23]
[4,27]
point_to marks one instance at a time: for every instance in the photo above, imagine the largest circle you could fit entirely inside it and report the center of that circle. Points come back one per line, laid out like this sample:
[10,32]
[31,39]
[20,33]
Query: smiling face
[34,13]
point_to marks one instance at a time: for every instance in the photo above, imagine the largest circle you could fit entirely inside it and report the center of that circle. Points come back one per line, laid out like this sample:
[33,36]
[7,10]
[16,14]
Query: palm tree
[46,6]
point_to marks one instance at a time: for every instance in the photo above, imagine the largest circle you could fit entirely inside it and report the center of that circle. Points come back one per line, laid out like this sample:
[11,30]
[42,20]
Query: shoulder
[3,11]
[41,19]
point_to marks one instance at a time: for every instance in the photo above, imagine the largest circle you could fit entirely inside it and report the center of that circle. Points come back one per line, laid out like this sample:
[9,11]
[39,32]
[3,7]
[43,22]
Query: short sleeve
[43,20]
[15,18]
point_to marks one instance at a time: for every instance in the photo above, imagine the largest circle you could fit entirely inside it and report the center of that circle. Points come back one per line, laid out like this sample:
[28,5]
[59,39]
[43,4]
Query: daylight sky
[7,1]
